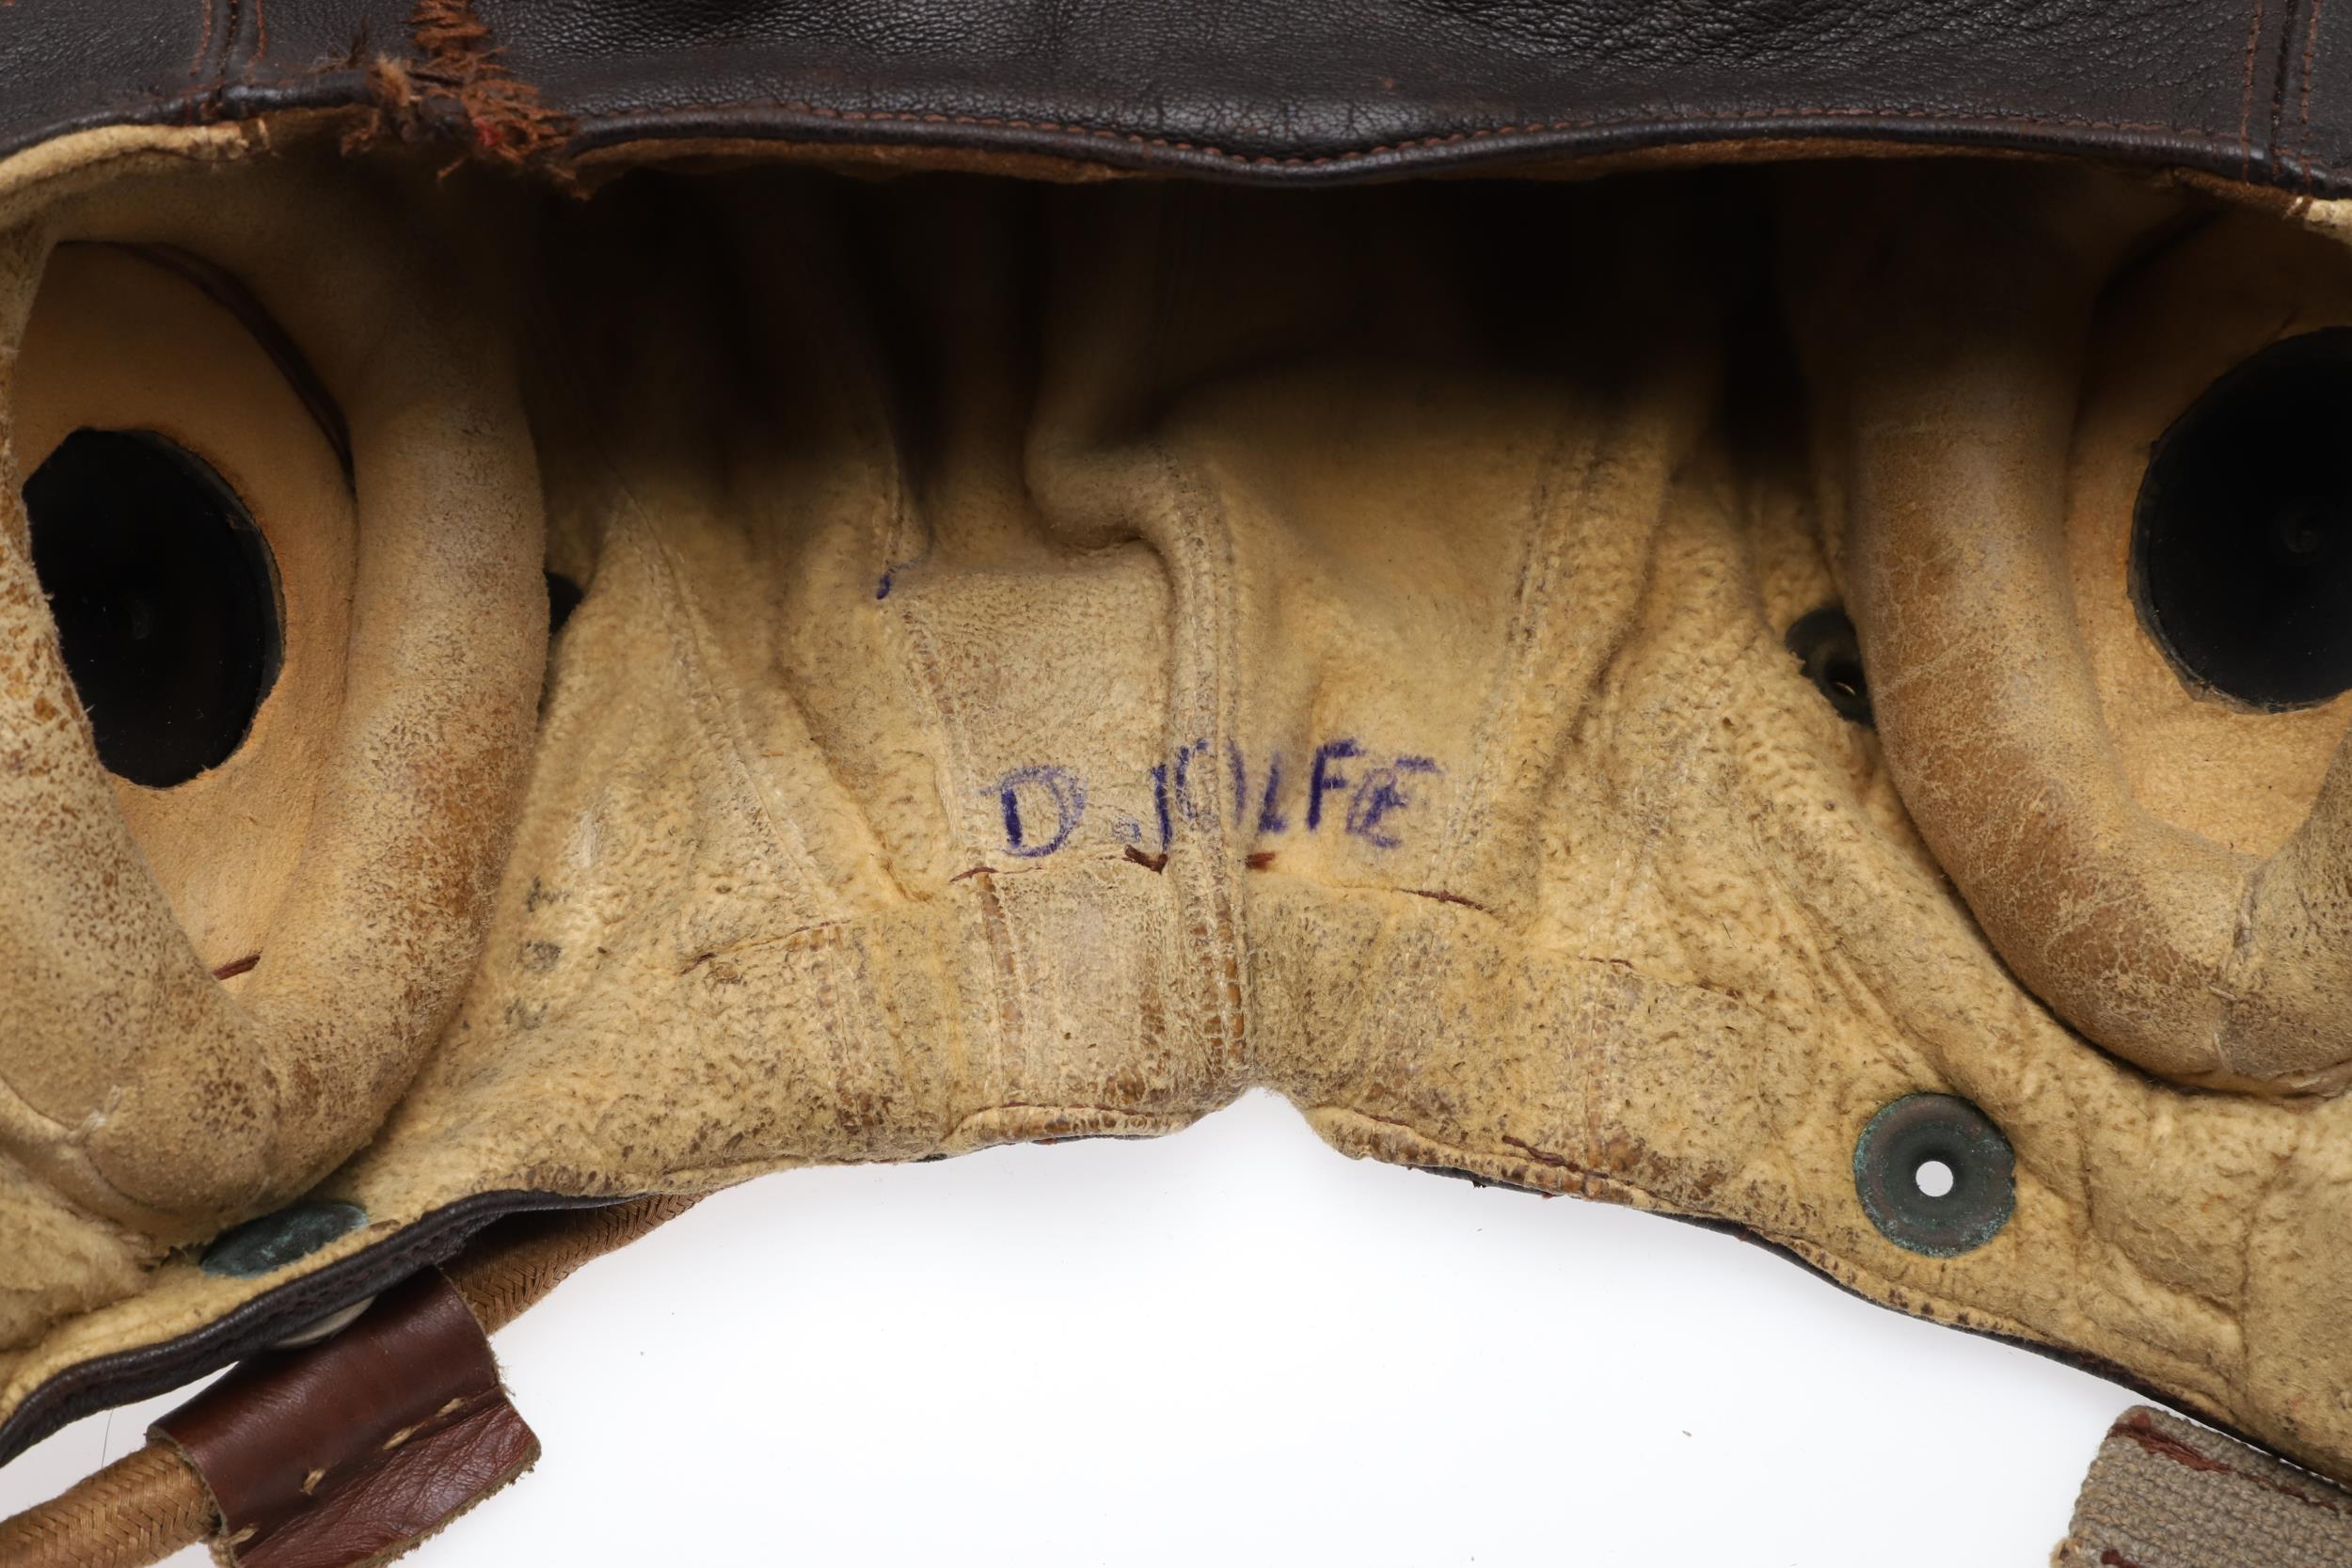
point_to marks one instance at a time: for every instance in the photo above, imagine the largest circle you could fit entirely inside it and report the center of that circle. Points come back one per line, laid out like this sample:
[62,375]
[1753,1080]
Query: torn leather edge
[454,90]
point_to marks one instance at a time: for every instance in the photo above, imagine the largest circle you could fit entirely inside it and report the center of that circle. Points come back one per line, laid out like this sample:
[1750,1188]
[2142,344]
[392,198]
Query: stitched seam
[224,52]
[701,674]
[72,1152]
[187,156]
[1201,554]
[954,777]
[2245,94]
[1074,1112]
[2199,134]
[2273,143]
[203,44]
[2303,113]
[2194,133]
[1563,482]
[1661,116]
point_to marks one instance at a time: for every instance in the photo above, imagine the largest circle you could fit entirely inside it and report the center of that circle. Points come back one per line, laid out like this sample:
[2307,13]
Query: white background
[1234,1346]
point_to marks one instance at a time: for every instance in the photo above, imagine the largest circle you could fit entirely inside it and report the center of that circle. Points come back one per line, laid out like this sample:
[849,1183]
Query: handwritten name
[1340,786]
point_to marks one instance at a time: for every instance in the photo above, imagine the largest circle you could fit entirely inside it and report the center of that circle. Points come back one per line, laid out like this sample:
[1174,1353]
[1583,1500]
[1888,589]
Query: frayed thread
[459,95]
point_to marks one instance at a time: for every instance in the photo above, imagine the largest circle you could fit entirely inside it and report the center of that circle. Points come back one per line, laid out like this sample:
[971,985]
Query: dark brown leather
[2258,90]
[349,1452]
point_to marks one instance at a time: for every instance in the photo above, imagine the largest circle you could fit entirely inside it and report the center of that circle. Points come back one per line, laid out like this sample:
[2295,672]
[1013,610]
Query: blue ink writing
[1193,813]
[1064,789]
[1043,806]
[1324,779]
[1159,801]
[1381,793]
[1270,818]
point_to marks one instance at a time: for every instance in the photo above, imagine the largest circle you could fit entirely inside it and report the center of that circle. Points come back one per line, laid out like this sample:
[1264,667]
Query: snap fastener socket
[268,1244]
[327,1327]
[1935,1175]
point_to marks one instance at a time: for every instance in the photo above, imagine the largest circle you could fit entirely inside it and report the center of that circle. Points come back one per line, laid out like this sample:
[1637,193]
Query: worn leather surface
[2175,950]
[1055,657]
[389,784]
[2247,90]
[347,1452]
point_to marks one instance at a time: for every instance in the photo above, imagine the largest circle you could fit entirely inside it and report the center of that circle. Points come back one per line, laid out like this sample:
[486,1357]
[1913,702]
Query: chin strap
[347,1452]
[2165,1492]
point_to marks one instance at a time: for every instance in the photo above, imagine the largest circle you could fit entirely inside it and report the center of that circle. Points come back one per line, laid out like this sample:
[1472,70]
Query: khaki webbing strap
[2165,1492]
[149,1504]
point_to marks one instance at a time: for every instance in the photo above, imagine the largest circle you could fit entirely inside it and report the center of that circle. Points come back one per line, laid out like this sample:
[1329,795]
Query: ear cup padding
[2175,952]
[129,1075]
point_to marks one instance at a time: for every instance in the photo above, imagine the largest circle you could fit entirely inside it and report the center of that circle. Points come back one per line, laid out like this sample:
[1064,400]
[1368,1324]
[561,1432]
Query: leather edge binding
[1487,147]
[124,1377]
[1128,147]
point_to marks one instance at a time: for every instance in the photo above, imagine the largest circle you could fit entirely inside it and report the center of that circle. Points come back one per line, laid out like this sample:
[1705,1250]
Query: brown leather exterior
[349,1452]
[2259,90]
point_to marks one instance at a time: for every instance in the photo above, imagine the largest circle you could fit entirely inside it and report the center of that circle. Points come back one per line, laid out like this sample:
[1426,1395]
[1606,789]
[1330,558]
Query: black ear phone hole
[564,596]
[1830,650]
[2241,562]
[165,599]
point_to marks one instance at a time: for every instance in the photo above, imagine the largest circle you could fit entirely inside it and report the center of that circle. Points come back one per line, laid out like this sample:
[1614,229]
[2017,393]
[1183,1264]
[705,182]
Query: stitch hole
[2242,536]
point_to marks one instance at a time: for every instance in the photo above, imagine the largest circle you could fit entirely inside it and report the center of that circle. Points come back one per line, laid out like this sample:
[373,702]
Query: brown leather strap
[349,1452]
[151,1503]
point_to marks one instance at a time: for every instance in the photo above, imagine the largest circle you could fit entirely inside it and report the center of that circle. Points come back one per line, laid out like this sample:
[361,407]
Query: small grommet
[1825,642]
[262,1246]
[1935,1175]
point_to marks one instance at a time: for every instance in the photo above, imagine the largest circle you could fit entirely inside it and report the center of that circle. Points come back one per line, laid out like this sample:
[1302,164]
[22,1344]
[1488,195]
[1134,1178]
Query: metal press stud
[263,1245]
[1935,1175]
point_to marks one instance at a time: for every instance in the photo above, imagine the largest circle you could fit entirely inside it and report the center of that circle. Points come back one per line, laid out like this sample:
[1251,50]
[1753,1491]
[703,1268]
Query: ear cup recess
[165,599]
[2242,539]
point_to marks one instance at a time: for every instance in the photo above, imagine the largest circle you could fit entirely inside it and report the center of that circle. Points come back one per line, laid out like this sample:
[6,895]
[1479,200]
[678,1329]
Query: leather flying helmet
[595,602]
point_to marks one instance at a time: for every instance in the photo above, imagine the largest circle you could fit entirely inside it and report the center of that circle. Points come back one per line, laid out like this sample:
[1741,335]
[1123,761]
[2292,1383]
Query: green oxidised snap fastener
[261,1245]
[1935,1175]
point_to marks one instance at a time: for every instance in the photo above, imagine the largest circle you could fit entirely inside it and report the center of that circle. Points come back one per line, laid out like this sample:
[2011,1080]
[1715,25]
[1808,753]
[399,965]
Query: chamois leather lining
[1055,657]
